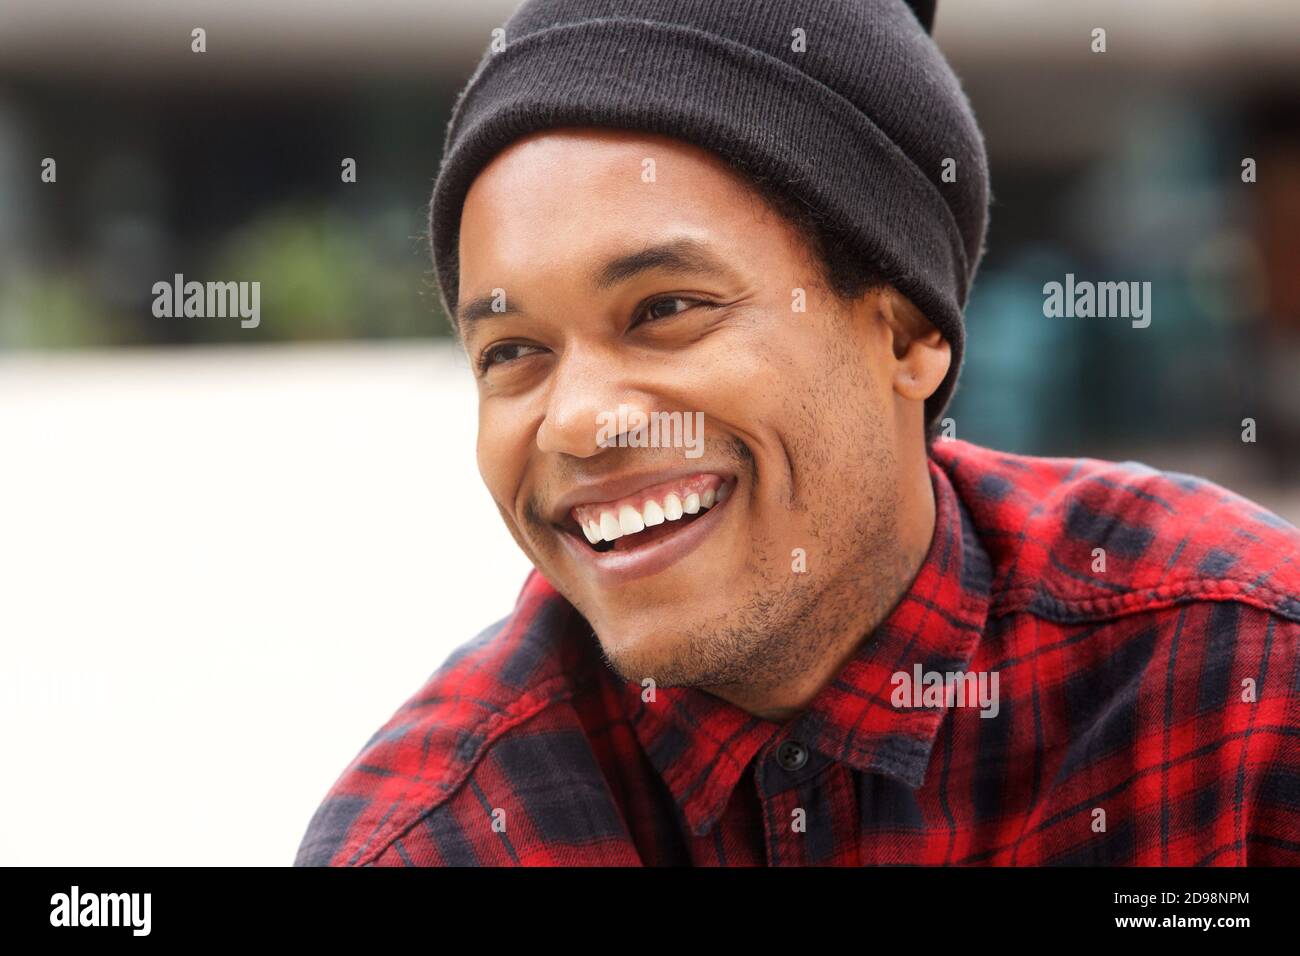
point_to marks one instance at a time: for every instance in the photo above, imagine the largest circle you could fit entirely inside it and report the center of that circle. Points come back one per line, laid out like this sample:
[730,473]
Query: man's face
[636,271]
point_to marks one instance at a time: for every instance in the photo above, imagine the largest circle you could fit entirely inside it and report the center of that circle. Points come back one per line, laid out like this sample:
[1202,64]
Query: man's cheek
[500,462]
[532,539]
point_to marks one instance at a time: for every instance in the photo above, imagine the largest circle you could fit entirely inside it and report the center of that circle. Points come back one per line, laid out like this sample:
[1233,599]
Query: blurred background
[227,555]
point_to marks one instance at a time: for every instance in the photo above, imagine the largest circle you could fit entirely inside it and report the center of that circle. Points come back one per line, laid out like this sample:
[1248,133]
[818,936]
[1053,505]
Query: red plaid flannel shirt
[1147,713]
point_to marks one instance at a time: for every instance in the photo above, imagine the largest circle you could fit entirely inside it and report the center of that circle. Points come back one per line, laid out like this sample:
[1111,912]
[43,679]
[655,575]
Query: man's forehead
[565,164]
[527,213]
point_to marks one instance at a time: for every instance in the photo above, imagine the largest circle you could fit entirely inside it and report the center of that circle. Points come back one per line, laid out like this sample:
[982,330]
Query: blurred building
[1122,165]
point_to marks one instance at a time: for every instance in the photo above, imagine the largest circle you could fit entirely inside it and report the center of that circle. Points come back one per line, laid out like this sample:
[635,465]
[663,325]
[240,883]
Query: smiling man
[676,296]
[818,636]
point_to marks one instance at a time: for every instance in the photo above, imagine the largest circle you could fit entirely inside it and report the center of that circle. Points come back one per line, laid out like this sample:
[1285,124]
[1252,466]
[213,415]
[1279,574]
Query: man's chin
[637,654]
[640,654]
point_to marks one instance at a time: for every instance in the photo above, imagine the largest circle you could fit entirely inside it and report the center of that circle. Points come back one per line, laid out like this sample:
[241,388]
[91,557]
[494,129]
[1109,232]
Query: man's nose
[589,401]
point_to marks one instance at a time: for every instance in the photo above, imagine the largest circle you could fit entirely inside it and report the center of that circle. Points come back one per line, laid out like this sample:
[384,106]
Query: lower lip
[612,568]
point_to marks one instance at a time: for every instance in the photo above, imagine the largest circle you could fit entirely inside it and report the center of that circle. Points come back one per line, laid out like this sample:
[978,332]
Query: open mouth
[649,515]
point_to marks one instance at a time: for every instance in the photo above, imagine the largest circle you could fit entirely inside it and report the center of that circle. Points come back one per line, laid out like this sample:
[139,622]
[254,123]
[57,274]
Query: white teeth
[653,514]
[629,519]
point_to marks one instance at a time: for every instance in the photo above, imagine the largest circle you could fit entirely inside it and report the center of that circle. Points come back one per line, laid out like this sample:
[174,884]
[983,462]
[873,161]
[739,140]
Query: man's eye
[505,352]
[667,307]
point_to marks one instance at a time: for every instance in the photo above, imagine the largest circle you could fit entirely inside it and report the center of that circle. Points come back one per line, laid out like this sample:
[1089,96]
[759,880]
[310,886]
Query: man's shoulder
[506,675]
[1079,538]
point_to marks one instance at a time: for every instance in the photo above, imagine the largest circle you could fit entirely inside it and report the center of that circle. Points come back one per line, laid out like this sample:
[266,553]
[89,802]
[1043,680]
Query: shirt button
[792,755]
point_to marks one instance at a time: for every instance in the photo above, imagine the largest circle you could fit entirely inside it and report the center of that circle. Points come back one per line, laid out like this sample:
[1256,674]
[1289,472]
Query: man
[810,633]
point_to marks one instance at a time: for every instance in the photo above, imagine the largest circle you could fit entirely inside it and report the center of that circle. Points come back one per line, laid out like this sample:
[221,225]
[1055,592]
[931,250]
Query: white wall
[220,571]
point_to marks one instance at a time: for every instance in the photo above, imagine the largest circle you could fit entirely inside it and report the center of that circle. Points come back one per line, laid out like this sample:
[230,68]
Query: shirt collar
[701,745]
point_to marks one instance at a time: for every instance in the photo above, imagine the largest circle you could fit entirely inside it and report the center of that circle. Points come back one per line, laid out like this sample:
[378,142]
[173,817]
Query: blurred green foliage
[55,311]
[324,275]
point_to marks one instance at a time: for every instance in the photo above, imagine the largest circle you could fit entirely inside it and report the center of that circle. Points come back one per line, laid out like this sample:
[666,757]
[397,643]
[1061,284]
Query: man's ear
[921,354]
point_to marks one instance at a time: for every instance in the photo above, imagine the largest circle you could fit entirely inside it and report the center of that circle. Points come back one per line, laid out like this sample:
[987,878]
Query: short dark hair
[843,269]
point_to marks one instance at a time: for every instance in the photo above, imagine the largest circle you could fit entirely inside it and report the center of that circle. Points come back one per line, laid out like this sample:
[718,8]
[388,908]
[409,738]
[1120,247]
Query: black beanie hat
[860,123]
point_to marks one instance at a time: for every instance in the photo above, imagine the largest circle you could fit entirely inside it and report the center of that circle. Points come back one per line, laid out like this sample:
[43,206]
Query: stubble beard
[789,621]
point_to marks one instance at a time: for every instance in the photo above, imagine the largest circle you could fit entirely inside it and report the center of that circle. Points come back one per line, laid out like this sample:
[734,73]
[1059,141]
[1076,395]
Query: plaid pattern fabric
[1146,709]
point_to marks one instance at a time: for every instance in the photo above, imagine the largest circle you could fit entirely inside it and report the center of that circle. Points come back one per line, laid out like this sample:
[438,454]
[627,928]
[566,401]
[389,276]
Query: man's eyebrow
[678,255]
[483,307]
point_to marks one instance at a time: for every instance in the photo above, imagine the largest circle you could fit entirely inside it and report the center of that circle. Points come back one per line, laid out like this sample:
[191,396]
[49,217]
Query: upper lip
[609,489]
